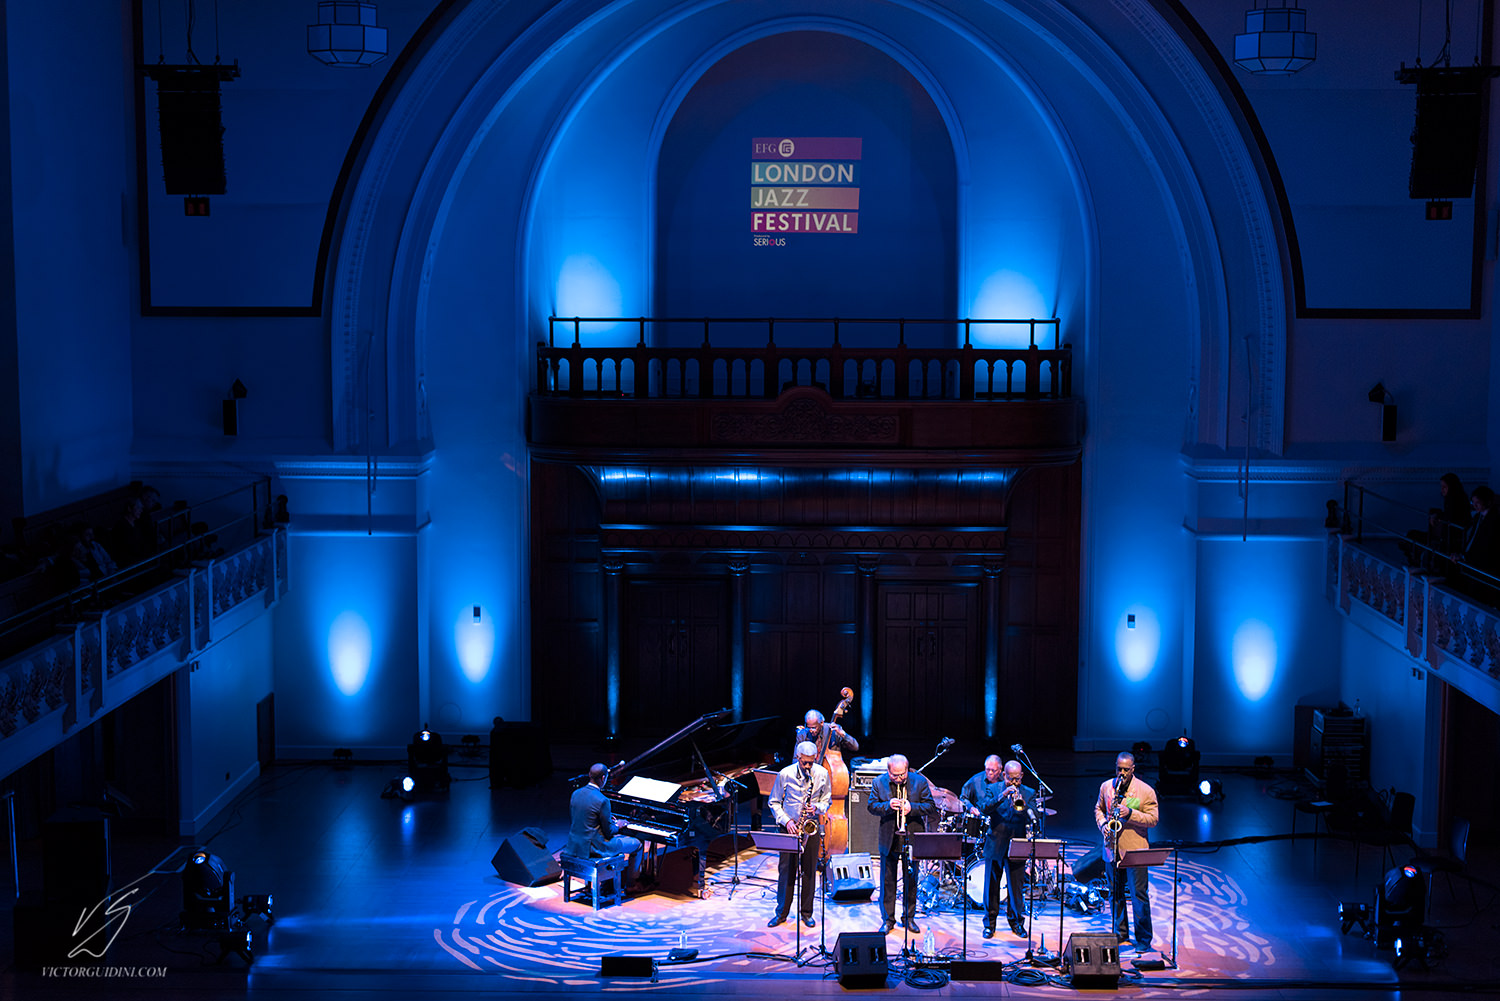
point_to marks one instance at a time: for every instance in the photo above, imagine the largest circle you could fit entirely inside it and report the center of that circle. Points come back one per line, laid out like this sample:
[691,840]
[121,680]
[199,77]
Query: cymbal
[1048,811]
[946,801]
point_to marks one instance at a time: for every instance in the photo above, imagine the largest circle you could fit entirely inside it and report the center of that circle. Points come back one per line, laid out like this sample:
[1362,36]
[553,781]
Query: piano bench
[594,873]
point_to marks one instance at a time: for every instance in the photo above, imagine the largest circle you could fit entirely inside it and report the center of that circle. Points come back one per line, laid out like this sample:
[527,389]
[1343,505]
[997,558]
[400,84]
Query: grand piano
[682,792]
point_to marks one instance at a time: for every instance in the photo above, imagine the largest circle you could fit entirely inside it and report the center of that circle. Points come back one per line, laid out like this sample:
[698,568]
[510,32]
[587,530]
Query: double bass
[836,827]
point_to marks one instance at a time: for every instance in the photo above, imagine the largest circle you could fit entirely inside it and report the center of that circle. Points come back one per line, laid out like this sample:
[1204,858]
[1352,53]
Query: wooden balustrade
[902,372]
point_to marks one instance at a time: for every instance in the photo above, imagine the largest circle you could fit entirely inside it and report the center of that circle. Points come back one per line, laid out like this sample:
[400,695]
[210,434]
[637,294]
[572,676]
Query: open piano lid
[725,744]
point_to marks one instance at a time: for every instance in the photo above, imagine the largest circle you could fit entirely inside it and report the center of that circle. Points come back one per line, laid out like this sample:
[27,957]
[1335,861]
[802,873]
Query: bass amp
[864,826]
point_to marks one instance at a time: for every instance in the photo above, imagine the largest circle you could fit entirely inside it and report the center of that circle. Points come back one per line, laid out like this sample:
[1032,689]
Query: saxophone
[1115,825]
[808,821]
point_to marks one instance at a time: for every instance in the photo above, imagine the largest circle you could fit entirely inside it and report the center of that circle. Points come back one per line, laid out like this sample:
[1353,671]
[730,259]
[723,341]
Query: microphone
[1016,748]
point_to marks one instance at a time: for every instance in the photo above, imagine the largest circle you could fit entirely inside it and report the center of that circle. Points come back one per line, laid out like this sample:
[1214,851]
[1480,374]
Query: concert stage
[382,898]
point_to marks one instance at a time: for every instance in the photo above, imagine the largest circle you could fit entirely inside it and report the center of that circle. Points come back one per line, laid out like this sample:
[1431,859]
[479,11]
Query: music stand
[1033,849]
[944,846]
[1148,858]
[784,842]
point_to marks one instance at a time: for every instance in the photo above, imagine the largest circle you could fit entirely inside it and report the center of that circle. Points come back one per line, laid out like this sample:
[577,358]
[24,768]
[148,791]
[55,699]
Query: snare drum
[976,828]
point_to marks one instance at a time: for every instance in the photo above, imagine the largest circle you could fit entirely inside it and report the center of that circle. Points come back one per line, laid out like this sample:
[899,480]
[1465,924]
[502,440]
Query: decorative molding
[805,420]
[770,540]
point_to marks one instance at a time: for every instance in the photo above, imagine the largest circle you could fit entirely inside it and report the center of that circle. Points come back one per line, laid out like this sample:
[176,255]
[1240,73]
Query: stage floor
[383,898]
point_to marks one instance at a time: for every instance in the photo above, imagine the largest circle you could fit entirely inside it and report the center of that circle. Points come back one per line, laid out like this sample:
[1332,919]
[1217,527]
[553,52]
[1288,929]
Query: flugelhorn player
[1124,811]
[902,799]
[998,794]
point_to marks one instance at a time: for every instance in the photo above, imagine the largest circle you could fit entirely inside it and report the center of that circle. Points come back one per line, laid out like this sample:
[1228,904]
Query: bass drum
[974,883]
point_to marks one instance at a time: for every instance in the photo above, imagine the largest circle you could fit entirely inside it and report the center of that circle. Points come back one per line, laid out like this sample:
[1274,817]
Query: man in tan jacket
[1133,803]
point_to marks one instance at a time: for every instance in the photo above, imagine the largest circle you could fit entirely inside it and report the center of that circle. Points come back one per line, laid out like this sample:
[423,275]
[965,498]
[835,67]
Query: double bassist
[832,742]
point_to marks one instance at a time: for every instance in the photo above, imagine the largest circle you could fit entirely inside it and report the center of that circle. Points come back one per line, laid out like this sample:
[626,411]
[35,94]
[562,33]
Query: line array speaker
[1444,144]
[192,136]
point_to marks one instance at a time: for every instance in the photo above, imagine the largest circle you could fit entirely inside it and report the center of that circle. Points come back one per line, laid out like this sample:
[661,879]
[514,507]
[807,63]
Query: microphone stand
[734,832]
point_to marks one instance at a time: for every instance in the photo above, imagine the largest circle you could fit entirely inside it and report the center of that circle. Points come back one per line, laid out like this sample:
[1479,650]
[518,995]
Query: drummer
[997,795]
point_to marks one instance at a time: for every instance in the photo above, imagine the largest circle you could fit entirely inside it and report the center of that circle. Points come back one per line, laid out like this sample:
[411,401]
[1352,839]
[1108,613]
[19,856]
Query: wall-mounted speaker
[192,136]
[523,858]
[1444,141]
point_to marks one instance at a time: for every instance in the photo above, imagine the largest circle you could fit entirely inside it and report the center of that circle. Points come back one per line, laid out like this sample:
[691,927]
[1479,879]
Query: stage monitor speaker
[859,959]
[1089,866]
[974,970]
[1444,143]
[851,877]
[523,858]
[627,966]
[864,826]
[42,935]
[75,858]
[1092,960]
[192,136]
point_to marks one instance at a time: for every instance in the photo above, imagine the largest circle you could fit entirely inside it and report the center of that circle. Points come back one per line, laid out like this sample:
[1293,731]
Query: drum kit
[940,883]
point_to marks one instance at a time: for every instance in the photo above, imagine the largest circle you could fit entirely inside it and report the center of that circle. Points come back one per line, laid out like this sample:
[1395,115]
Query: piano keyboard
[650,833]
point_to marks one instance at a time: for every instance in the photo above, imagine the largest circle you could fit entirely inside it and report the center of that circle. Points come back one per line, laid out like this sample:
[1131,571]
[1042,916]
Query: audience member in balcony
[1481,549]
[98,558]
[1445,526]
[133,539]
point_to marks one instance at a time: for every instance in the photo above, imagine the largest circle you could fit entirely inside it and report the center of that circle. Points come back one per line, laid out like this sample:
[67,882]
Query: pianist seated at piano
[595,832]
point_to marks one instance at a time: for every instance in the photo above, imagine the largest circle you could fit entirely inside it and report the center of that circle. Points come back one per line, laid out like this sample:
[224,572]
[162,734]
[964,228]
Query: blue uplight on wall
[349,652]
[1137,642]
[1253,655]
[585,287]
[474,643]
[1007,295]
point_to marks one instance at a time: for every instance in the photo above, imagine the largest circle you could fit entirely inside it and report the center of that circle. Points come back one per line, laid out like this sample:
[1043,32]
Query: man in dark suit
[594,832]
[902,799]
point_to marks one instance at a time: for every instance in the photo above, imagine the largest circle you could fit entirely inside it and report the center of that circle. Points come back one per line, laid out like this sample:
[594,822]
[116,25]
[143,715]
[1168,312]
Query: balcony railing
[651,369]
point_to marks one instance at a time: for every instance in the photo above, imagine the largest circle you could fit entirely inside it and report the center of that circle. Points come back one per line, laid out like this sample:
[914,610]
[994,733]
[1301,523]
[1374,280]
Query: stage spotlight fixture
[1177,769]
[1423,944]
[1400,901]
[207,892]
[469,745]
[343,757]
[252,904]
[427,762]
[1351,914]
[1210,791]
[408,784]
[1265,765]
[1142,750]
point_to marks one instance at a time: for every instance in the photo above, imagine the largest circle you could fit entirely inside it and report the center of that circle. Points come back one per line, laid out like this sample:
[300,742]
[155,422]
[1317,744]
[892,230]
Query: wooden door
[675,659]
[928,677]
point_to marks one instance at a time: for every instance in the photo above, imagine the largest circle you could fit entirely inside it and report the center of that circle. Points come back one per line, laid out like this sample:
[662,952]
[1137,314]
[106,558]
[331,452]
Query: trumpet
[1016,798]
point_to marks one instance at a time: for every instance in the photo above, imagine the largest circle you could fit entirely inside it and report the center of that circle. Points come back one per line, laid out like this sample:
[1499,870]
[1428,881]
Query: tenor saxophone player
[800,797]
[1123,812]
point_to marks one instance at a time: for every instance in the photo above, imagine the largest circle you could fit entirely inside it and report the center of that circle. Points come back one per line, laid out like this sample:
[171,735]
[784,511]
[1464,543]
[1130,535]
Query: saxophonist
[1124,811]
[799,798]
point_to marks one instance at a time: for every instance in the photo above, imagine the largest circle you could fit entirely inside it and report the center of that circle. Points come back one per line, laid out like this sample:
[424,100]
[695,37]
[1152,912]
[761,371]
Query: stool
[594,873]
[1319,808]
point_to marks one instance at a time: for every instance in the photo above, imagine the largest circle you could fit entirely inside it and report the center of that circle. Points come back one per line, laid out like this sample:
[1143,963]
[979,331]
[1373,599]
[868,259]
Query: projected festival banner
[807,185]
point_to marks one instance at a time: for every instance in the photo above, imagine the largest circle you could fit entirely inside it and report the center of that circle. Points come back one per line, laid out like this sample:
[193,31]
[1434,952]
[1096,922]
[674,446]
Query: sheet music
[651,790]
